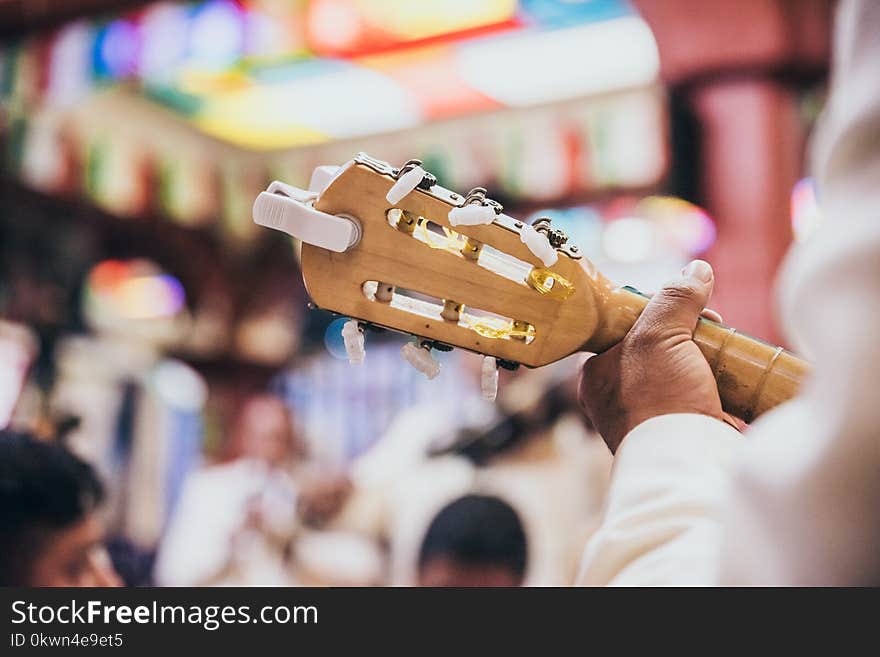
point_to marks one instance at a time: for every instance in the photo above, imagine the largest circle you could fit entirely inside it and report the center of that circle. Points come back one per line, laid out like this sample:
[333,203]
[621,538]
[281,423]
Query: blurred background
[149,323]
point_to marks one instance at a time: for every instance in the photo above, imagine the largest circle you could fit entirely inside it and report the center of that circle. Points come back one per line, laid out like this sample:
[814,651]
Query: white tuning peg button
[353,338]
[405,184]
[539,245]
[421,359]
[489,378]
[471,214]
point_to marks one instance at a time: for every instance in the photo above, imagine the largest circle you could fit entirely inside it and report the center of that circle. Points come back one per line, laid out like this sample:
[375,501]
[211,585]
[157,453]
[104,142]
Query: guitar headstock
[379,246]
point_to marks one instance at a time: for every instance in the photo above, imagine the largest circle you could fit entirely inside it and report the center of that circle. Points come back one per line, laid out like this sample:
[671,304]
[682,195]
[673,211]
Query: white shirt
[205,536]
[796,501]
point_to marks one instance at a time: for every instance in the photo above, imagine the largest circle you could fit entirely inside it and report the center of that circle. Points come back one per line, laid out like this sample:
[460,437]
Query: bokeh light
[688,225]
[133,290]
[629,239]
[217,33]
[333,338]
[117,50]
[805,212]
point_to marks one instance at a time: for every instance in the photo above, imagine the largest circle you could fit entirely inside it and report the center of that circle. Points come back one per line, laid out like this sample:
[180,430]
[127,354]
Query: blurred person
[691,500]
[50,530]
[551,467]
[235,521]
[20,396]
[476,540]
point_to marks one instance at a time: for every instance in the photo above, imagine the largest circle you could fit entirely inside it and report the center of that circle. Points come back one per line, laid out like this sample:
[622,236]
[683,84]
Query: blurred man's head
[476,540]
[50,533]
[264,431]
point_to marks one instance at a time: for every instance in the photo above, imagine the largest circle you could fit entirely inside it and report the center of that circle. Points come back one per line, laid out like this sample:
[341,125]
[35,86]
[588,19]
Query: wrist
[679,431]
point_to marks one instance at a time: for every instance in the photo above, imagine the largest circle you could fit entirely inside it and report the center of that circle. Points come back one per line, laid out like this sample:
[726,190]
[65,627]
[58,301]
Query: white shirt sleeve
[660,524]
[805,502]
[795,501]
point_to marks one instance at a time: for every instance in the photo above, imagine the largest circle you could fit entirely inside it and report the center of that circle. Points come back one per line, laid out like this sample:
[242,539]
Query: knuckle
[646,334]
[590,372]
[596,376]
[680,291]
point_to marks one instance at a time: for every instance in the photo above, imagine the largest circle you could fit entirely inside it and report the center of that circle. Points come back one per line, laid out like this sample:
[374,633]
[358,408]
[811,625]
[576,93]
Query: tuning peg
[539,245]
[353,338]
[472,214]
[405,184]
[451,311]
[384,292]
[421,359]
[489,378]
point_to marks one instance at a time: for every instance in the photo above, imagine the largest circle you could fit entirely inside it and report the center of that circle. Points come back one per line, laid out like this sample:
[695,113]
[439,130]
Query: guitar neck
[752,376]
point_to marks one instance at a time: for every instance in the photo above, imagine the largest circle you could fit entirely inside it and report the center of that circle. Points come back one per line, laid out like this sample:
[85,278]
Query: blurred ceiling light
[545,66]
[351,27]
[70,67]
[217,33]
[117,50]
[264,36]
[806,216]
[410,21]
[333,25]
[344,102]
[165,28]
[569,12]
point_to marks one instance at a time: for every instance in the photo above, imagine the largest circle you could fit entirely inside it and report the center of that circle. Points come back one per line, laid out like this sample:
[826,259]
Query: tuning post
[556,236]
[451,311]
[406,222]
[471,249]
[420,358]
[478,195]
[476,209]
[519,330]
[384,292]
[434,344]
[353,337]
[428,179]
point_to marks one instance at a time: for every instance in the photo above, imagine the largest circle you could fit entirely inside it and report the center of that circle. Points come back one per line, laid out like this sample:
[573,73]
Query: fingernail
[698,269]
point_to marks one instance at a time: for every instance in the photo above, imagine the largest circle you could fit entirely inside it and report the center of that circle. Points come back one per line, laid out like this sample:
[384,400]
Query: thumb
[677,307]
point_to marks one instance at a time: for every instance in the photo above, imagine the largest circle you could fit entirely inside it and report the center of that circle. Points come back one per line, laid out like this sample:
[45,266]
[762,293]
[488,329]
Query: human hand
[657,368]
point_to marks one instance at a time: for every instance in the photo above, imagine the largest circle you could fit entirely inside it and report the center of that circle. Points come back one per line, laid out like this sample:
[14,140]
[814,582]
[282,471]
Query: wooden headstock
[543,316]
[500,288]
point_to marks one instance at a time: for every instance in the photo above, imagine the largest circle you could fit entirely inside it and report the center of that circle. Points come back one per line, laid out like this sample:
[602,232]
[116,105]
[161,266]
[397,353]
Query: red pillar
[751,156]
[725,57]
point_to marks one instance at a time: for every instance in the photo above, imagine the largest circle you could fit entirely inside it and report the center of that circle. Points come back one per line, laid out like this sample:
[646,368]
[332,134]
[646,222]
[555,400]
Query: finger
[678,306]
[707,313]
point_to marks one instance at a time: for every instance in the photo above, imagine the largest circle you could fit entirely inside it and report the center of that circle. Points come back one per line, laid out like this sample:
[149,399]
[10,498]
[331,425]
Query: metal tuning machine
[409,177]
[476,209]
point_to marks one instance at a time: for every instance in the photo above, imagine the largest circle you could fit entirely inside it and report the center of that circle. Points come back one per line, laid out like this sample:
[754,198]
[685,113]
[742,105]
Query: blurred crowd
[482,494]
